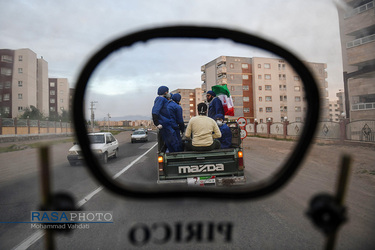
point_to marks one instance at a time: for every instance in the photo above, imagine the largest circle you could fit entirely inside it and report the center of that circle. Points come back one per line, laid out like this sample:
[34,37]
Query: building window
[231,77]
[260,99]
[246,110]
[191,105]
[282,77]
[6,110]
[20,58]
[260,87]
[61,100]
[268,98]
[246,98]
[20,70]
[259,76]
[6,97]
[7,85]
[52,100]
[6,58]
[297,98]
[296,78]
[281,66]
[1,98]
[268,109]
[231,66]
[53,109]
[297,88]
[232,88]
[267,66]
[267,76]
[245,66]
[20,108]
[6,71]
[259,66]
[20,83]
[297,109]
[52,92]
[285,98]
[268,87]
[261,121]
[245,77]
[245,87]
[260,109]
[19,96]
[52,84]
[298,119]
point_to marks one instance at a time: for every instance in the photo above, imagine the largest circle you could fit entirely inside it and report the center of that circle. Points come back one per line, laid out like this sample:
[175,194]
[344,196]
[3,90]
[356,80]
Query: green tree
[65,116]
[32,113]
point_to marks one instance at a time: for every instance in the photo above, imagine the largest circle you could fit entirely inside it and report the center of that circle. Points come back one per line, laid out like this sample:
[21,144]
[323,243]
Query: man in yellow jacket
[203,131]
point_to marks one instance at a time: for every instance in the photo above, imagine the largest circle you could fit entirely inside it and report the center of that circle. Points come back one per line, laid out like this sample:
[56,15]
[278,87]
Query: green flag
[221,90]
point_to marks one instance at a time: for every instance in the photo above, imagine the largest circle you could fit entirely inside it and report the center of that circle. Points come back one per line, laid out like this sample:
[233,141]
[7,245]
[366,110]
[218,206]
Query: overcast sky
[67,32]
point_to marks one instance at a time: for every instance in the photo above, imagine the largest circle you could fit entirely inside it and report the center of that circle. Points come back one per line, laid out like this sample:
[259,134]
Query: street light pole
[109,116]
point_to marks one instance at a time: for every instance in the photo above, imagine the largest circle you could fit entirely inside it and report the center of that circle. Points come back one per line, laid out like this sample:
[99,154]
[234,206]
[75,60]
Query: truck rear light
[161,164]
[240,160]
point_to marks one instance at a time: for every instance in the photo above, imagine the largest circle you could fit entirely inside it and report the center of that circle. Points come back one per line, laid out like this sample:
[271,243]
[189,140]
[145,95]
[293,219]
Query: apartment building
[236,73]
[23,82]
[59,96]
[357,31]
[334,112]
[341,102]
[266,89]
[279,92]
[190,98]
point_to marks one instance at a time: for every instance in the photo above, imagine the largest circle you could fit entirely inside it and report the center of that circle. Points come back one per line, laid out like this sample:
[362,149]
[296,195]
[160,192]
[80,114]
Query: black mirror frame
[251,191]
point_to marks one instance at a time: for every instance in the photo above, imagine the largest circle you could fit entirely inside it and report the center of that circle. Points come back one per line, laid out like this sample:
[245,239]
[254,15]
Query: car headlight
[97,151]
[72,153]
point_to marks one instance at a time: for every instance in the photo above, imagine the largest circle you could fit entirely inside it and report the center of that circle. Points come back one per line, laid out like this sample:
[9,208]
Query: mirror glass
[264,93]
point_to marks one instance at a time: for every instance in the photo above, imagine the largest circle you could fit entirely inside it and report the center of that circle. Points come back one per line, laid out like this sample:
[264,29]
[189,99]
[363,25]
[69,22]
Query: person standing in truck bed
[203,131]
[162,119]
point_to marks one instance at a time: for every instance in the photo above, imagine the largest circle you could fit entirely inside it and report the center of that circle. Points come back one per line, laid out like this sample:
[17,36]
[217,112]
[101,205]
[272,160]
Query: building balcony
[221,60]
[359,18]
[203,68]
[222,70]
[222,81]
[359,55]
[203,77]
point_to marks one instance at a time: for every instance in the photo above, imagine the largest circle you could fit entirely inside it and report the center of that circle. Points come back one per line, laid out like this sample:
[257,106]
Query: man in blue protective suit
[214,105]
[226,133]
[175,112]
[162,119]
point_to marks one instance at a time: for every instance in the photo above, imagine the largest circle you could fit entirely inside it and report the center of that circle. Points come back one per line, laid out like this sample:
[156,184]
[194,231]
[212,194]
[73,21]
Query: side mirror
[271,183]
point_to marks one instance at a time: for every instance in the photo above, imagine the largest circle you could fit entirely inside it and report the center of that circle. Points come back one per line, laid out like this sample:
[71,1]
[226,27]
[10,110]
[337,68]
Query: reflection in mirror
[262,90]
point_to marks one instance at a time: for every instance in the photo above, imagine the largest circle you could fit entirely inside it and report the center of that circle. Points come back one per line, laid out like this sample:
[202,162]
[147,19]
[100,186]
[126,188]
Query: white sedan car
[104,145]
[139,135]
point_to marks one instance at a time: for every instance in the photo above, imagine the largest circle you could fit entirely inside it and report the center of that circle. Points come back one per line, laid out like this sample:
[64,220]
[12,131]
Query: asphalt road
[274,222]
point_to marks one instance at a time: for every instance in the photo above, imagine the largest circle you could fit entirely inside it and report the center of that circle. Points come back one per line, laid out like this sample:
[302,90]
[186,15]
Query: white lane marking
[29,241]
[39,234]
[132,163]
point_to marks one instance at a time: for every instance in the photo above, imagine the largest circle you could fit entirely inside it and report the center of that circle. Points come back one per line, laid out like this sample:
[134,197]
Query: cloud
[66,33]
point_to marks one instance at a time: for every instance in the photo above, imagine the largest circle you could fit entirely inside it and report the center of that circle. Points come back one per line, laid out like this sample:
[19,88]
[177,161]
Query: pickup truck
[220,167]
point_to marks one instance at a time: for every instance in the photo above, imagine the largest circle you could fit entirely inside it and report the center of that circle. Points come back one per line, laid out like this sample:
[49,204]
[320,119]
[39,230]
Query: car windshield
[139,133]
[96,139]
